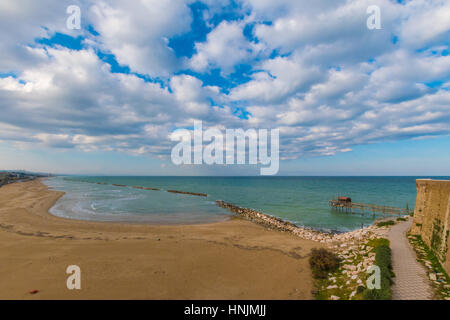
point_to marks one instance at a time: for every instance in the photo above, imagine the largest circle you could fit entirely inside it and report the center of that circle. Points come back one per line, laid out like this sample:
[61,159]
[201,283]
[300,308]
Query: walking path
[411,280]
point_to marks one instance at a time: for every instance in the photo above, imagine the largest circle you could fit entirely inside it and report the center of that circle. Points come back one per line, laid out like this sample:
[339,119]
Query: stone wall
[432,217]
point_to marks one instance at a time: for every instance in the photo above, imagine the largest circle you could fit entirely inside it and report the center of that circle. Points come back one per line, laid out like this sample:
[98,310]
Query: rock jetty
[275,223]
[144,188]
[191,193]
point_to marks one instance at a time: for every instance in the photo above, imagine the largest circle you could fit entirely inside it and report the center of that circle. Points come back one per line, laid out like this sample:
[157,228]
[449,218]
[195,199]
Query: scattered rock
[332,287]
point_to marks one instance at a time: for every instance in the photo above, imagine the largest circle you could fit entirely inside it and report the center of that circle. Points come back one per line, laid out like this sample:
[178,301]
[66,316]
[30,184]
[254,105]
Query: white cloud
[327,22]
[73,100]
[23,21]
[137,32]
[225,47]
[426,23]
[280,78]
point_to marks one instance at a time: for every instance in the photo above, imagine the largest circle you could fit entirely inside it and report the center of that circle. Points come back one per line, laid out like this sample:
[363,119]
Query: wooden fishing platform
[345,204]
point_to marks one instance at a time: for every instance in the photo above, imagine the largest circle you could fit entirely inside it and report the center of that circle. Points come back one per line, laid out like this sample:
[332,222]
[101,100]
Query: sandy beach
[235,259]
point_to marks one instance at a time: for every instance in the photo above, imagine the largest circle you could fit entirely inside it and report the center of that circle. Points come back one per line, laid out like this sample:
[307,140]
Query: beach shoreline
[233,259]
[255,216]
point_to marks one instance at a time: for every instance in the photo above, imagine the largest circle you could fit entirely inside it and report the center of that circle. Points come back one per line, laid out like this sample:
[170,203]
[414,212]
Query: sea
[300,200]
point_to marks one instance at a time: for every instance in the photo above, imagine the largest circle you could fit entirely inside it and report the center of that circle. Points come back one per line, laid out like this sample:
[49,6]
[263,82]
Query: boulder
[332,287]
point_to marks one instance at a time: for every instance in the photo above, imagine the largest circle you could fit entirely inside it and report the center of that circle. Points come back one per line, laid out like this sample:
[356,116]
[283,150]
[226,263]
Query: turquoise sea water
[301,200]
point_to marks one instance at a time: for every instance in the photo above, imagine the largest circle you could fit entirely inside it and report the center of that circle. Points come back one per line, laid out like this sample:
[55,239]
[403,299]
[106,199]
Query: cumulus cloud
[74,100]
[21,22]
[137,32]
[280,77]
[426,23]
[224,48]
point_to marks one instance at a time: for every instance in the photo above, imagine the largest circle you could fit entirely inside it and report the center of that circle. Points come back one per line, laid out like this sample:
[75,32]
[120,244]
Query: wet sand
[235,259]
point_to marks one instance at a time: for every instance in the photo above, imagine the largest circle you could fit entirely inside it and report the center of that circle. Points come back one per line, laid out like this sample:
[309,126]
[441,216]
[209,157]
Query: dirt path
[410,282]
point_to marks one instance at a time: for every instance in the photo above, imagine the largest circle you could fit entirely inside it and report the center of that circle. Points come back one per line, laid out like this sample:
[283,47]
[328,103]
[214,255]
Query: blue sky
[104,99]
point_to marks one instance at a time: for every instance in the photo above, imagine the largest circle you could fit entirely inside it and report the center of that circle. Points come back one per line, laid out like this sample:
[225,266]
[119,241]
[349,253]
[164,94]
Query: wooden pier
[345,204]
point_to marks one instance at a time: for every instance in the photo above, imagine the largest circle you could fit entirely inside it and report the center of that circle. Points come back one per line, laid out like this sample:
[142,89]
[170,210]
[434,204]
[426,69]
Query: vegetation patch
[436,237]
[322,262]
[384,262]
[401,219]
[439,240]
[378,242]
[386,223]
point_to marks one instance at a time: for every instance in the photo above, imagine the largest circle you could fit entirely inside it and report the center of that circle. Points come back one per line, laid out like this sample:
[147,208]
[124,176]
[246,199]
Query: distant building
[345,200]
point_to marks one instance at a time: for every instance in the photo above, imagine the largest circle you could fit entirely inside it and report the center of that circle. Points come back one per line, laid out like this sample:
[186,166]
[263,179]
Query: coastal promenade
[410,282]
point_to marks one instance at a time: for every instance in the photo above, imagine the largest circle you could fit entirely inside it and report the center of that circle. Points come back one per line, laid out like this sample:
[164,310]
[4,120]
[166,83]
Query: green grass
[378,242]
[384,262]
[386,223]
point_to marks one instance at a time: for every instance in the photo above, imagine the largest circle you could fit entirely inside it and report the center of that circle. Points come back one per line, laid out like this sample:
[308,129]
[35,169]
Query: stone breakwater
[145,188]
[271,222]
[191,193]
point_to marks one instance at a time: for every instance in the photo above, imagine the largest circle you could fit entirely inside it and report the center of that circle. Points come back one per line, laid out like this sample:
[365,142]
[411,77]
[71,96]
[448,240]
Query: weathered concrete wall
[432,217]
